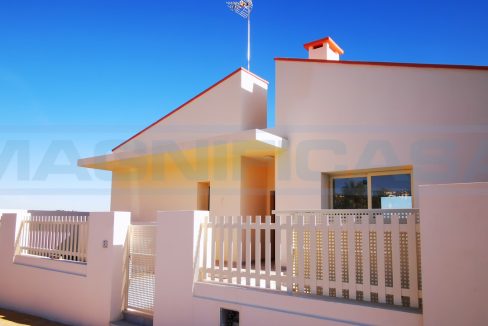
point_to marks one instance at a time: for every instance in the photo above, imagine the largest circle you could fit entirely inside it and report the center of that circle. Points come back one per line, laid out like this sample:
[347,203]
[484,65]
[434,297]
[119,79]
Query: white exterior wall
[48,289]
[173,301]
[342,117]
[169,181]
[171,185]
[237,103]
[258,308]
[454,226]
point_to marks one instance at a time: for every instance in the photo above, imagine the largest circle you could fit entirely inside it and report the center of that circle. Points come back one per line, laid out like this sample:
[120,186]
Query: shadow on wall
[16,318]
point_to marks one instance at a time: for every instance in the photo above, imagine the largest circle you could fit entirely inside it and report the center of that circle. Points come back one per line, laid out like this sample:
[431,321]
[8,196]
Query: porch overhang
[250,143]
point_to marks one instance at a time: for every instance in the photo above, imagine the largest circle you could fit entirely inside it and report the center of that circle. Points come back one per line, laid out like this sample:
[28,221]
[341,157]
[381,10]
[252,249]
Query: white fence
[142,278]
[366,255]
[55,237]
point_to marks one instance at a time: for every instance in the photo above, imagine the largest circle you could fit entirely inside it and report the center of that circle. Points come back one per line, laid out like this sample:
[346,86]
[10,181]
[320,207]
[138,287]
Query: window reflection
[391,191]
[350,193]
[373,190]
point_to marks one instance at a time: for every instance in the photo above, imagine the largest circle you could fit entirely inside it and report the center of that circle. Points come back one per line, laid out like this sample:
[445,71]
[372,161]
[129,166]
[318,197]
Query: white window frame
[368,175]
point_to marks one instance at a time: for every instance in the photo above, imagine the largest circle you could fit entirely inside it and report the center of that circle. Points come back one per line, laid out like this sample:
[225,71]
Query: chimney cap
[333,45]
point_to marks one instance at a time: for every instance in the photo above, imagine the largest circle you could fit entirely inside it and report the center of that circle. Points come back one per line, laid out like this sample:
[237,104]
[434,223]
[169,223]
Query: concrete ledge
[61,266]
[284,309]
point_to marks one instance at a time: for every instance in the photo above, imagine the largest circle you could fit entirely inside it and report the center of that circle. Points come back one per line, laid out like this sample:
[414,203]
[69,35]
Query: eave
[252,143]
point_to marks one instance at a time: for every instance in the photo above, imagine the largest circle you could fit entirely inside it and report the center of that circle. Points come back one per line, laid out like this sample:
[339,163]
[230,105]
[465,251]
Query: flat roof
[385,64]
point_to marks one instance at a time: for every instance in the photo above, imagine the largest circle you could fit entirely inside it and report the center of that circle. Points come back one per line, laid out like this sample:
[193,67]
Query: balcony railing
[364,255]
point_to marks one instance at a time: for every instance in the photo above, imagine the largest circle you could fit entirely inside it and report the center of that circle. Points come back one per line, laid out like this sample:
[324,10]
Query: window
[377,190]
[350,193]
[391,191]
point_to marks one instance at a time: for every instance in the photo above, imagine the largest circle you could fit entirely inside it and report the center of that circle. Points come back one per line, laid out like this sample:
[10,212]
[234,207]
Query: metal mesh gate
[142,280]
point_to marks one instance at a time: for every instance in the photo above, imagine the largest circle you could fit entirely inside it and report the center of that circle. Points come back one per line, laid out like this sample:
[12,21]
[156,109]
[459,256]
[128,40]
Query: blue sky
[79,76]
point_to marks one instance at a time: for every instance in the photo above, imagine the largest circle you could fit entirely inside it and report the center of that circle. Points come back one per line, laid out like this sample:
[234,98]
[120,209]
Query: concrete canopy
[250,143]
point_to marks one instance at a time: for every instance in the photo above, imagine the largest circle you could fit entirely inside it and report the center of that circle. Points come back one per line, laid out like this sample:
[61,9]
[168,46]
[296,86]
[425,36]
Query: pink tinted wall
[345,117]
[236,103]
[53,289]
[454,228]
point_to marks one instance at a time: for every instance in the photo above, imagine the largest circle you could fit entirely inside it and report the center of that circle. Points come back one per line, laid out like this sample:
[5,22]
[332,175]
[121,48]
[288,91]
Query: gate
[141,275]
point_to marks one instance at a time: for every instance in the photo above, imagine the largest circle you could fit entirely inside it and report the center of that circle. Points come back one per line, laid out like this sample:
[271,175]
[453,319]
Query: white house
[391,126]
[362,206]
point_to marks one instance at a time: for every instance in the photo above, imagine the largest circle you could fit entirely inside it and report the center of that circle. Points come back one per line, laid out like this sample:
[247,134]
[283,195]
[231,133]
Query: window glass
[391,191]
[350,193]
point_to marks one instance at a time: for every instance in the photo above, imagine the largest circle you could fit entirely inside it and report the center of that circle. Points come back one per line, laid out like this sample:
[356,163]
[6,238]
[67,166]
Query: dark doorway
[203,196]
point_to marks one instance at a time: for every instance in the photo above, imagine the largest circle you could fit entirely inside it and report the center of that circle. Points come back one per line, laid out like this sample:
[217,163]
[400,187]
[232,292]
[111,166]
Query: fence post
[454,225]
[177,247]
[8,233]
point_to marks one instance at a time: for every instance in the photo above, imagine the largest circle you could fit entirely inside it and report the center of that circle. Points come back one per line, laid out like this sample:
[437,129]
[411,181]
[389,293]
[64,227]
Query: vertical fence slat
[79,237]
[77,244]
[289,252]
[25,237]
[203,274]
[47,246]
[52,246]
[221,244]
[324,228]
[338,261]
[300,254]
[257,254]
[213,221]
[230,246]
[380,238]
[412,260]
[39,235]
[70,237]
[248,250]
[395,239]
[62,237]
[366,258]
[312,229]
[19,239]
[267,251]
[42,233]
[30,237]
[239,231]
[278,251]
[83,242]
[65,238]
[351,251]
